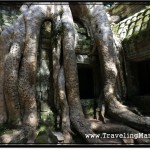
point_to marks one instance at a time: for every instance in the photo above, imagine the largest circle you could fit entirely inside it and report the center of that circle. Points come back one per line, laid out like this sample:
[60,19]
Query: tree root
[12,62]
[27,76]
[23,73]
[15,137]
[64,107]
[104,40]
[122,113]
[70,69]
[113,128]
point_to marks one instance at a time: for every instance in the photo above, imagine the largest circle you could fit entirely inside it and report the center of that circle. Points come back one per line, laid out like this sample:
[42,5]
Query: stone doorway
[144,77]
[139,85]
[86,83]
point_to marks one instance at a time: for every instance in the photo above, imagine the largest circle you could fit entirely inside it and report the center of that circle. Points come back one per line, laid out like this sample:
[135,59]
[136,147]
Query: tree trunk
[72,85]
[5,40]
[64,107]
[18,64]
[104,40]
[27,78]
[12,67]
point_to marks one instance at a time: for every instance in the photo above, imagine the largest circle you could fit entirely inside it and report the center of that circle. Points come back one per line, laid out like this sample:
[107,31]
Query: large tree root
[113,128]
[123,114]
[63,104]
[6,40]
[104,41]
[70,69]
[27,78]
[12,64]
[24,64]
[60,100]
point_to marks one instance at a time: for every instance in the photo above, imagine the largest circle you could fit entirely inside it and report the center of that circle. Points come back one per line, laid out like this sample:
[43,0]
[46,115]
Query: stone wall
[127,9]
[44,73]
[143,103]
[135,34]
[84,41]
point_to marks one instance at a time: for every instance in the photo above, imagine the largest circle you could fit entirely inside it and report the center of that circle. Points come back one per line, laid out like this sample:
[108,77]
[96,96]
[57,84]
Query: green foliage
[8,15]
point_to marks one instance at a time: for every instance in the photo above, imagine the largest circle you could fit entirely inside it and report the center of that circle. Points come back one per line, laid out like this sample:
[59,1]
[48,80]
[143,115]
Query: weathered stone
[88,107]
[84,42]
[134,32]
[48,136]
[46,115]
[59,136]
[142,102]
[126,9]
[42,138]
[83,59]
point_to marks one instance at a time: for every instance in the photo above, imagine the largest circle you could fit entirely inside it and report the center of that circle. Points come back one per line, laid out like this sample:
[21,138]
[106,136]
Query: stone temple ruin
[134,31]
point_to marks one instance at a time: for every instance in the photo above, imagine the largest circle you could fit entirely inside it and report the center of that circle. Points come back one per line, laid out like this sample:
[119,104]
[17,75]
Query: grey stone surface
[88,107]
[48,136]
[134,32]
[84,41]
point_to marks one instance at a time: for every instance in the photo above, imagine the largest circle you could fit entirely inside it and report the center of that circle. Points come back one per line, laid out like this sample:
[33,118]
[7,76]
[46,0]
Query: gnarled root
[107,55]
[117,128]
[64,107]
[27,77]
[70,70]
[12,64]
[122,113]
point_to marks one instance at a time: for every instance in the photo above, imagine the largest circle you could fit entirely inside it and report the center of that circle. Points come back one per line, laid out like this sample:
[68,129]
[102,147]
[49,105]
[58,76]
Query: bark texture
[12,64]
[63,104]
[18,64]
[104,40]
[6,35]
[71,76]
[27,79]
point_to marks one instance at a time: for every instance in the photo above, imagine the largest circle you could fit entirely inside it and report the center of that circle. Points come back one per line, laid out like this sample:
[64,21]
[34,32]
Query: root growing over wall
[21,66]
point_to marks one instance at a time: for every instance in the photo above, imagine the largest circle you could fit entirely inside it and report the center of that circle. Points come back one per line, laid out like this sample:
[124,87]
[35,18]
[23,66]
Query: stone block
[88,107]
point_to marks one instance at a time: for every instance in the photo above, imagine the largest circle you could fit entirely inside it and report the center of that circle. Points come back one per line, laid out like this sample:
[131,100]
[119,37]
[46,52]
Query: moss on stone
[42,138]
[47,119]
[8,15]
[146,18]
[88,107]
[117,9]
[133,24]
[144,26]
[134,30]
[84,42]
[125,9]
[148,10]
[115,28]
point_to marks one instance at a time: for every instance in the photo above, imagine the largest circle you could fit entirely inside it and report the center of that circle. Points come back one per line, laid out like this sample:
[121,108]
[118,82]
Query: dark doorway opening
[86,87]
[144,77]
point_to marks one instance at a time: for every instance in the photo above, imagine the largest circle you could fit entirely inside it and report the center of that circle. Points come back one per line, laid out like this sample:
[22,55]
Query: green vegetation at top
[8,15]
